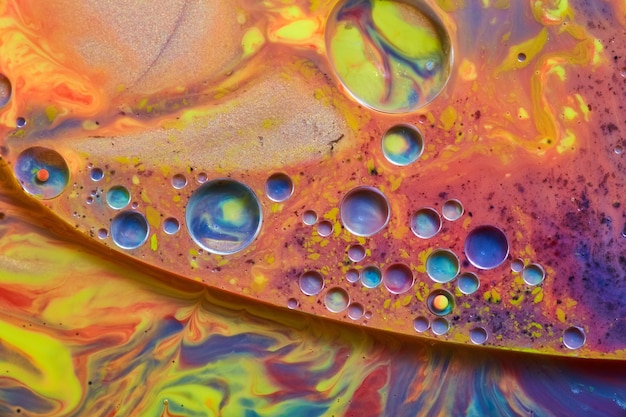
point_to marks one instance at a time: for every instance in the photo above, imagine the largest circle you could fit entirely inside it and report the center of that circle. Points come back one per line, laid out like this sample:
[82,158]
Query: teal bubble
[223,216]
[468,283]
[311,283]
[118,197]
[35,159]
[336,300]
[364,211]
[533,274]
[402,144]
[442,265]
[129,229]
[279,187]
[425,223]
[371,277]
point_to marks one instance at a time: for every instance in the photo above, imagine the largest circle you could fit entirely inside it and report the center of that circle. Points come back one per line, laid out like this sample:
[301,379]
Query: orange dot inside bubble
[440,302]
[42,175]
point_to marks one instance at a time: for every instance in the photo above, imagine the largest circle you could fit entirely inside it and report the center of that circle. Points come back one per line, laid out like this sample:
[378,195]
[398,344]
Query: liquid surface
[267,165]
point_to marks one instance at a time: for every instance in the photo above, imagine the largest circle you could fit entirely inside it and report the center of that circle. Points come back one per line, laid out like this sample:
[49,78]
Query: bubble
[324,228]
[421,324]
[223,216]
[103,233]
[364,211]
[623,72]
[352,275]
[452,210]
[478,335]
[129,229]
[517,265]
[398,278]
[440,302]
[402,144]
[96,174]
[171,225]
[309,217]
[425,223]
[279,187]
[20,122]
[31,162]
[371,277]
[202,178]
[521,57]
[574,337]
[356,253]
[468,283]
[179,181]
[356,311]
[5,90]
[618,150]
[442,265]
[336,300]
[292,303]
[118,197]
[311,283]
[391,56]
[368,315]
[440,326]
[89,200]
[533,274]
[486,247]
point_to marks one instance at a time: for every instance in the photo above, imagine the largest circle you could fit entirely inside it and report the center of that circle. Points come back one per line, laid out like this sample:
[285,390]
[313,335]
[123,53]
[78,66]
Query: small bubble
[311,283]
[356,311]
[422,119]
[486,247]
[398,278]
[103,233]
[96,174]
[129,229]
[533,274]
[118,197]
[521,57]
[574,337]
[352,275]
[179,181]
[442,265]
[356,253]
[279,187]
[468,283]
[421,324]
[478,335]
[5,90]
[171,225]
[309,217]
[202,177]
[452,210]
[402,144]
[292,303]
[336,300]
[425,223]
[368,315]
[440,302]
[618,150]
[440,326]
[89,200]
[371,277]
[20,122]
[623,72]
[324,228]
[364,211]
[517,265]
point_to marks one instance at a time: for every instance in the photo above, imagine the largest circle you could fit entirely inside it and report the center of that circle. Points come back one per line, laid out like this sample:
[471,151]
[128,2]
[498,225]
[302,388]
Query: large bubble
[392,56]
[486,247]
[42,172]
[364,211]
[223,216]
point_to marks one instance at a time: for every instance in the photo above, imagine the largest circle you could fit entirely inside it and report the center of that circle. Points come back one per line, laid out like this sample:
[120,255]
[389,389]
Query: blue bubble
[364,211]
[478,335]
[574,337]
[533,274]
[171,225]
[33,160]
[118,197]
[486,247]
[421,324]
[279,187]
[440,326]
[425,223]
[371,277]
[223,216]
[442,265]
[402,144]
[468,283]
[96,174]
[129,229]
